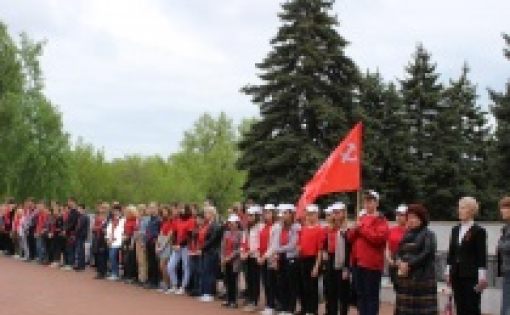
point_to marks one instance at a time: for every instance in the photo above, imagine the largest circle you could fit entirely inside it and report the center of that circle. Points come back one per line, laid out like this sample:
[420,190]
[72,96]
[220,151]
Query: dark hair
[504,202]
[187,212]
[420,211]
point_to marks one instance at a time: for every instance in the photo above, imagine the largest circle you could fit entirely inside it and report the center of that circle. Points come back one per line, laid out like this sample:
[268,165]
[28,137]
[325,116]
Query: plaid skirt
[416,297]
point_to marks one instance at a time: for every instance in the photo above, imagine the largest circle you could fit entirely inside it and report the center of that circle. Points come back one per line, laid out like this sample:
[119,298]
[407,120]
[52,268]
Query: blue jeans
[80,254]
[70,252]
[194,268]
[210,263]
[41,249]
[178,255]
[114,261]
[505,303]
[368,286]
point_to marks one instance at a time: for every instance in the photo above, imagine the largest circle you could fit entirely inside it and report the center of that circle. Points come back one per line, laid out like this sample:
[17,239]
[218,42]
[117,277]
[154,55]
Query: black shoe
[225,304]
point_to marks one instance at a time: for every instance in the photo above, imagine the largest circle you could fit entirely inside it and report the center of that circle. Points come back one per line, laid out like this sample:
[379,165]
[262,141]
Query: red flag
[341,172]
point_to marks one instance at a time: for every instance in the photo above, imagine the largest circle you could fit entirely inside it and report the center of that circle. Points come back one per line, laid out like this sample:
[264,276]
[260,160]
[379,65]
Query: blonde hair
[211,210]
[132,210]
[471,203]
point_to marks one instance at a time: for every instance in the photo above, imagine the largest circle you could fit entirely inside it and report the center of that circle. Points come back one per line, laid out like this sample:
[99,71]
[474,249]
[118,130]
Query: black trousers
[337,289]
[231,282]
[58,248]
[288,281]
[49,248]
[467,300]
[269,281]
[310,286]
[152,264]
[130,266]
[252,281]
[32,248]
[101,259]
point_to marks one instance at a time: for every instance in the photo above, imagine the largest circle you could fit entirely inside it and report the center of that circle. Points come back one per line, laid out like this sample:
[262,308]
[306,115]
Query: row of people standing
[176,248]
[54,236]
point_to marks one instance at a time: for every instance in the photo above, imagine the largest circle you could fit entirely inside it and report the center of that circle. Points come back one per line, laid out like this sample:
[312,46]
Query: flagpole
[358,204]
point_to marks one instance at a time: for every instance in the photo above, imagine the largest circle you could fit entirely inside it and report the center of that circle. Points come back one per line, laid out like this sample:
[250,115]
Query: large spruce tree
[421,92]
[383,114]
[306,99]
[501,110]
[465,145]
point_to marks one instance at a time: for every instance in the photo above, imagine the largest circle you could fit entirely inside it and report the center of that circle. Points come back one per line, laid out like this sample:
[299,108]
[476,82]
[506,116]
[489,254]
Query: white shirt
[115,233]
[464,228]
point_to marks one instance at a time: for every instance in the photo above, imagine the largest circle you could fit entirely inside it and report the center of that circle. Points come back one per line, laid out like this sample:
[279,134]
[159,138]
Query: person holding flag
[368,238]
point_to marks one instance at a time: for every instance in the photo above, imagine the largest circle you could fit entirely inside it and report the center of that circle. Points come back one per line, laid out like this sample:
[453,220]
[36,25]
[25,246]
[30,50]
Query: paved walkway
[31,289]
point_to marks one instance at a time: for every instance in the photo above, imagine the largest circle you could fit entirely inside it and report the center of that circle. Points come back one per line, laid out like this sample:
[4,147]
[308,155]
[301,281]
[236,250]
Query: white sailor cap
[233,218]
[255,209]
[312,208]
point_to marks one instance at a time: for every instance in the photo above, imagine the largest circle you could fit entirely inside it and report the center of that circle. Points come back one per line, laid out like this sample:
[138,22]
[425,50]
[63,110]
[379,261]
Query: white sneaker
[16,257]
[179,291]
[267,311]
[112,278]
[206,298]
[169,291]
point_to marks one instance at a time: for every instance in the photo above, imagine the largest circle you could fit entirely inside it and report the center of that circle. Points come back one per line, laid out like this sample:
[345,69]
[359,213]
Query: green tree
[306,99]
[385,138]
[429,170]
[209,154]
[43,171]
[11,128]
[501,110]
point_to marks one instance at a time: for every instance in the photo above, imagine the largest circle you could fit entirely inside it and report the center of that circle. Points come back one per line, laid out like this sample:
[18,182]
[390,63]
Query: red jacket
[130,226]
[42,217]
[264,238]
[369,242]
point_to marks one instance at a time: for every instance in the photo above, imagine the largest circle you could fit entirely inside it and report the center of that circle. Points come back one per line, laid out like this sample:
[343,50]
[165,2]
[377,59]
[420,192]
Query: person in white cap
[230,258]
[310,245]
[250,254]
[336,254]
[266,259]
[368,238]
[288,266]
[394,238]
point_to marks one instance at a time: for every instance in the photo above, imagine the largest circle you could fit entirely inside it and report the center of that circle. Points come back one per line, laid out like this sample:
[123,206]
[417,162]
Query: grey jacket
[236,237]
[504,250]
[290,249]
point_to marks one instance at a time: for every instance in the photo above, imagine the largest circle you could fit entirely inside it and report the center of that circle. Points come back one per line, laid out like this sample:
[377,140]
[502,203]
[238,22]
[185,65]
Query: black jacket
[213,238]
[470,255]
[418,249]
[82,227]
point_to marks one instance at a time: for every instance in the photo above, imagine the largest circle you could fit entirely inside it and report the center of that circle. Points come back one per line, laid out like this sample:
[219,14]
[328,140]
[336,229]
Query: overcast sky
[130,76]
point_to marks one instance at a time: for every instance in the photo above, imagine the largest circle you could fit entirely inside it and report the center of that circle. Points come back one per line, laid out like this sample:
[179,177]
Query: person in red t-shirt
[128,245]
[394,238]
[195,253]
[164,243]
[311,240]
[267,258]
[230,259]
[41,232]
[182,230]
[336,255]
[368,238]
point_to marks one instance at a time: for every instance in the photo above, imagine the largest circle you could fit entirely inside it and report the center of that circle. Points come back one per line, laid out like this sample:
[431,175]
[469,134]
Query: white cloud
[130,76]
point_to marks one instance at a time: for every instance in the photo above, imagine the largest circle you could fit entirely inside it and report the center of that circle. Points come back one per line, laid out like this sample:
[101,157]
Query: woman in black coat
[416,271]
[466,269]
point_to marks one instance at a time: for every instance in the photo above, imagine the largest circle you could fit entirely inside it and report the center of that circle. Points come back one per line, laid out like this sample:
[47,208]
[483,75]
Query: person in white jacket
[114,232]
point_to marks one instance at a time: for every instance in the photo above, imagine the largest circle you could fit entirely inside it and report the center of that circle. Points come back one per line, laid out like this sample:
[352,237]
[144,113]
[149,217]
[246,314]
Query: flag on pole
[341,172]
